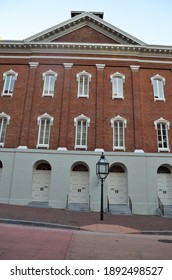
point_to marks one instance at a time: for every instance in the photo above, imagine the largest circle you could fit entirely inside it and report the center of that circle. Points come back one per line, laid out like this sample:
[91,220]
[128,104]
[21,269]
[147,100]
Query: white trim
[94,58]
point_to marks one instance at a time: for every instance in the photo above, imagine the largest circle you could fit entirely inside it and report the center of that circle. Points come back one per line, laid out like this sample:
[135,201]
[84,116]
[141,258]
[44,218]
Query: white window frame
[3,127]
[41,118]
[161,142]
[118,120]
[51,82]
[117,80]
[86,120]
[12,75]
[83,89]
[158,83]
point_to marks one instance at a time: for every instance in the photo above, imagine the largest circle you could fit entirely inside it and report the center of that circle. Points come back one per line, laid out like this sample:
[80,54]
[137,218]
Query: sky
[148,20]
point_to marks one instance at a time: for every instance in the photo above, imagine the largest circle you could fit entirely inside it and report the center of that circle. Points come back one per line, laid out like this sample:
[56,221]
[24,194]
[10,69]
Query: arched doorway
[117,185]
[79,184]
[164,183]
[41,181]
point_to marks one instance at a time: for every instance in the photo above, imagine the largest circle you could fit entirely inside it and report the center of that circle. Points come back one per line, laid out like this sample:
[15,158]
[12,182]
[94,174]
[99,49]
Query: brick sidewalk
[82,219]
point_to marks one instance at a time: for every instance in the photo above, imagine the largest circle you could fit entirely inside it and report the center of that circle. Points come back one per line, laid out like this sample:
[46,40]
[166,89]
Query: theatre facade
[76,90]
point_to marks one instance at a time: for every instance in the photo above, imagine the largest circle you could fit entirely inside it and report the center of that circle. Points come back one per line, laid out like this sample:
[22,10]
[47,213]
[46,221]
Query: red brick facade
[138,107]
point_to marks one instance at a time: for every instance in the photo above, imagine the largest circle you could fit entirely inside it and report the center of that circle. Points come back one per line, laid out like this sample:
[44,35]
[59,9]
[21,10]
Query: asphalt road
[34,243]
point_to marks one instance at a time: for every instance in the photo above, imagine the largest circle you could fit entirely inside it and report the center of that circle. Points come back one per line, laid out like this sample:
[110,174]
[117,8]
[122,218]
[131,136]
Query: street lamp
[102,171]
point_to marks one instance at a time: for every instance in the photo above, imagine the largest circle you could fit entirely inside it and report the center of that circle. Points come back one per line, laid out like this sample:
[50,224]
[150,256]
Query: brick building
[73,91]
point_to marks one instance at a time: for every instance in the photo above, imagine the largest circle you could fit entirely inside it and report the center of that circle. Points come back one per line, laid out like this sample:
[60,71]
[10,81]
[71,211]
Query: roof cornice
[17,46]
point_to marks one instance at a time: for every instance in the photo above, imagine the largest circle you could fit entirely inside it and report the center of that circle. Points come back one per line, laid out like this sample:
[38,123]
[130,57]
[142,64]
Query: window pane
[3,126]
[44,132]
[119,134]
[162,135]
[117,87]
[83,85]
[81,133]
[49,84]
[158,88]
[9,84]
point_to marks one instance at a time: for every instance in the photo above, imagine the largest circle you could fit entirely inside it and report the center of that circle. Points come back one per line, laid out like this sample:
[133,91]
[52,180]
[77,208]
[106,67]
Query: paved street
[25,242]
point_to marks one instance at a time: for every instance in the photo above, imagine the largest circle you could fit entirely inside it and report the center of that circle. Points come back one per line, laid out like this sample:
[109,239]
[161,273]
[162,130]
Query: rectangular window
[118,136]
[158,88]
[81,134]
[83,86]
[162,136]
[49,84]
[9,85]
[44,133]
[117,87]
[3,127]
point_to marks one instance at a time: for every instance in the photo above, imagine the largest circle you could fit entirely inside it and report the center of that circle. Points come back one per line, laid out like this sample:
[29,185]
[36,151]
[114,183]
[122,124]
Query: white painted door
[41,184]
[79,187]
[117,188]
[165,188]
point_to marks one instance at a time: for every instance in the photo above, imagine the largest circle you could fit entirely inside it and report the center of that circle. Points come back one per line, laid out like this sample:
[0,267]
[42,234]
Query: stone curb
[37,224]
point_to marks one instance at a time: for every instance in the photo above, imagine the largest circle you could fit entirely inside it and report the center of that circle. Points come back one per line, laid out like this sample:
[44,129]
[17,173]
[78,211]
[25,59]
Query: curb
[37,224]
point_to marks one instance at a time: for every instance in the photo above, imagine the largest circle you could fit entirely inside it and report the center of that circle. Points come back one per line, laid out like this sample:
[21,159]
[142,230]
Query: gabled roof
[79,21]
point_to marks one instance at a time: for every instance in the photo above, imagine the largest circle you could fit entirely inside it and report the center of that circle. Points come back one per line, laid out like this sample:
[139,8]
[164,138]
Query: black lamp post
[102,171]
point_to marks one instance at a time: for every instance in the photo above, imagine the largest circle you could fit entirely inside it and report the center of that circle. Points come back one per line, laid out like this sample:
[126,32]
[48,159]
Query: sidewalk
[90,221]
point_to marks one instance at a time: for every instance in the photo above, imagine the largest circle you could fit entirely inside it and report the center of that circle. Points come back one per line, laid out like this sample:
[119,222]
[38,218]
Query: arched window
[43,166]
[83,79]
[4,120]
[116,168]
[49,78]
[81,134]
[163,170]
[118,125]
[158,83]
[80,167]
[117,80]
[162,126]
[9,81]
[45,122]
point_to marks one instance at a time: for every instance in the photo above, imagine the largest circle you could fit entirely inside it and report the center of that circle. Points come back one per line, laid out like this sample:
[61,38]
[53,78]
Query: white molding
[4,115]
[162,120]
[159,77]
[67,65]
[33,64]
[118,118]
[100,66]
[45,116]
[134,68]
